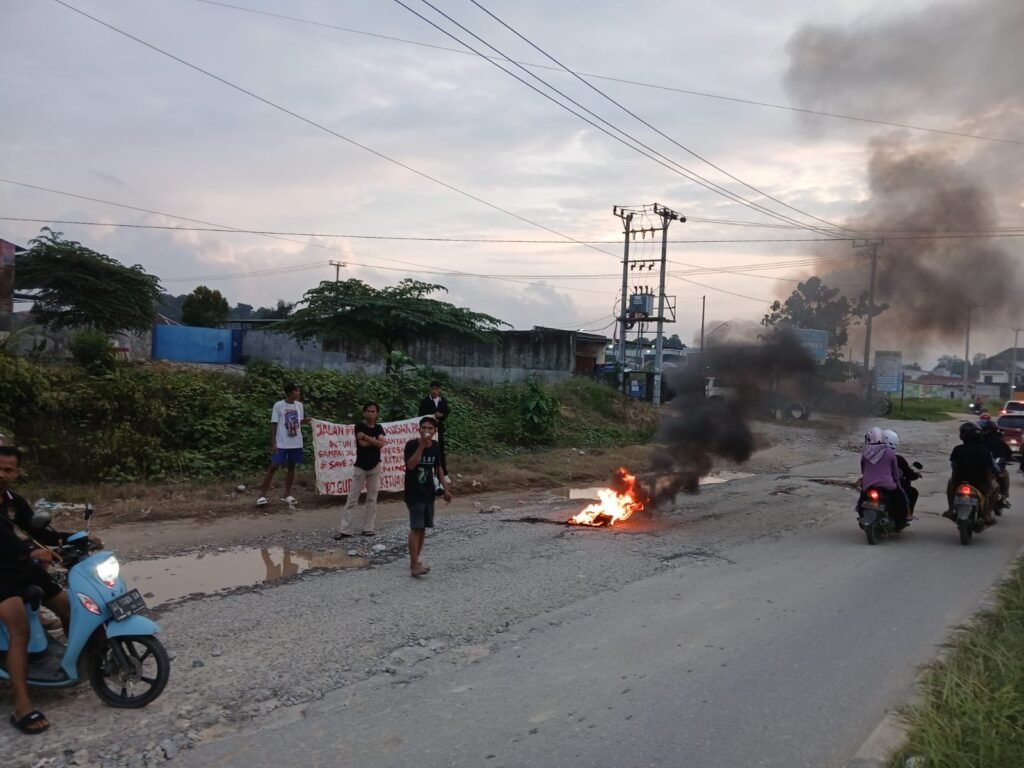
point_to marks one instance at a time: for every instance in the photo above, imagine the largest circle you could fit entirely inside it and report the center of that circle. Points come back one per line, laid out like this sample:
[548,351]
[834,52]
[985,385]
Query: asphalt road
[783,651]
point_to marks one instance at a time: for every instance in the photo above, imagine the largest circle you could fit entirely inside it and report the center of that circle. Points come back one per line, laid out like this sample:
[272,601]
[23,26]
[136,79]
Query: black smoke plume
[697,430]
[954,66]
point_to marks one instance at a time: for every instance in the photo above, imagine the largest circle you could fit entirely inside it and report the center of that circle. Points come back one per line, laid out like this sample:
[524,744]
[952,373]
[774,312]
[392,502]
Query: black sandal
[25,723]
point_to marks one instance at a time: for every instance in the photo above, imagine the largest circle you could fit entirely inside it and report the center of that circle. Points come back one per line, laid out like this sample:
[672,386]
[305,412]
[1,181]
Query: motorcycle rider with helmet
[971,463]
[992,439]
[907,473]
[880,469]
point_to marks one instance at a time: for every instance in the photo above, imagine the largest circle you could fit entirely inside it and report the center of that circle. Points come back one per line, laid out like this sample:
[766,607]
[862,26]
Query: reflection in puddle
[591,493]
[169,578]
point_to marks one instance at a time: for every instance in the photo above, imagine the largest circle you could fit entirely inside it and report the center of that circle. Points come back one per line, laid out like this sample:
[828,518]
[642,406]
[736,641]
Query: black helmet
[969,431]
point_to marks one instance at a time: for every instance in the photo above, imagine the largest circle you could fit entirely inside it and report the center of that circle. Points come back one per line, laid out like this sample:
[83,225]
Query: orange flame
[614,506]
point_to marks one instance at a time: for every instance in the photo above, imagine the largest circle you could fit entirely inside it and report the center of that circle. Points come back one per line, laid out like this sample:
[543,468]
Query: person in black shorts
[422,463]
[23,564]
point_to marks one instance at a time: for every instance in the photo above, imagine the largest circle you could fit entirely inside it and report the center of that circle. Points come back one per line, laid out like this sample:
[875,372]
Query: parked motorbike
[108,641]
[968,513]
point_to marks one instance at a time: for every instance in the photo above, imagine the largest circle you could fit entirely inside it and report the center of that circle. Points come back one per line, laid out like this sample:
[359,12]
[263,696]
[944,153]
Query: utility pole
[1013,366]
[703,306]
[873,246]
[337,269]
[967,348]
[667,216]
[640,314]
[627,219]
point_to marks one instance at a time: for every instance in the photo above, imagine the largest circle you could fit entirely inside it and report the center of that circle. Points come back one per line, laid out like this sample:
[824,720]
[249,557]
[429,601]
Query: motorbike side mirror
[41,520]
[917,465]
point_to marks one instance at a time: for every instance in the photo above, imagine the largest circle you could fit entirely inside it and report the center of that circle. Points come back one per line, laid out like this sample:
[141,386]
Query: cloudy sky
[91,112]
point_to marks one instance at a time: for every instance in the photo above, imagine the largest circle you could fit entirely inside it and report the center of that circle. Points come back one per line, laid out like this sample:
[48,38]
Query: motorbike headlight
[108,571]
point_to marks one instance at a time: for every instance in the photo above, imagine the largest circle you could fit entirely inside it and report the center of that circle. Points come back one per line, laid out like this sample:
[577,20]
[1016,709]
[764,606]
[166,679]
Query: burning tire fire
[618,503]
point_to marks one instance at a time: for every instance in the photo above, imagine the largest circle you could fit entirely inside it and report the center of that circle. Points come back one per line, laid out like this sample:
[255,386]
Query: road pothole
[166,579]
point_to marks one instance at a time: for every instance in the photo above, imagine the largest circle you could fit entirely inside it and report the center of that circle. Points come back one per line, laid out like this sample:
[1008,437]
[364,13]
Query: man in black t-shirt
[436,405]
[366,470]
[422,464]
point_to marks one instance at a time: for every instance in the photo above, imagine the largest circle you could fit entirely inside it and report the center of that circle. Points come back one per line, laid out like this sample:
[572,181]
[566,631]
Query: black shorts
[421,514]
[14,584]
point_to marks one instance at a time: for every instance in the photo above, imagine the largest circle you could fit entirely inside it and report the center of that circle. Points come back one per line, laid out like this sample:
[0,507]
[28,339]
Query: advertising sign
[888,371]
[815,342]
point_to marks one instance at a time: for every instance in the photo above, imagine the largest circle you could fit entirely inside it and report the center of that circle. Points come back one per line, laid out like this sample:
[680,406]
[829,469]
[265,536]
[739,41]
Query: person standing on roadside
[422,465]
[366,470]
[436,406]
[286,420]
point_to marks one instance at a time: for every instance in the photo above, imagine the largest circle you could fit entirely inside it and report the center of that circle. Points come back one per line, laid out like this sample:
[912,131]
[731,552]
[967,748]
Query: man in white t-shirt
[286,419]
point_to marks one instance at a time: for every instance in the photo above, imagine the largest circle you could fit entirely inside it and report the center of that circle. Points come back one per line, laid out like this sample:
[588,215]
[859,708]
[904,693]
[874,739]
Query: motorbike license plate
[127,605]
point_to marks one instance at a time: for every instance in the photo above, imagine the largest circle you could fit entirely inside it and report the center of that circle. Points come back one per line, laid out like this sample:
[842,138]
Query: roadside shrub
[165,422]
[91,350]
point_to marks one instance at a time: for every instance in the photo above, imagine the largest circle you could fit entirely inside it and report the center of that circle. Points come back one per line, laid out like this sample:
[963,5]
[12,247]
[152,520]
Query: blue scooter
[109,643]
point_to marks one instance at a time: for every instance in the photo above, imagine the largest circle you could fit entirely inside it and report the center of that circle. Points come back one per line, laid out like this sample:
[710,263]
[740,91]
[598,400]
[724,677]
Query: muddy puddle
[166,579]
[591,492]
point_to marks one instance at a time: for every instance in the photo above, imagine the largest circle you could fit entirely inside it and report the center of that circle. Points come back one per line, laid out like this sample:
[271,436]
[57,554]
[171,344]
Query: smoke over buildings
[954,66]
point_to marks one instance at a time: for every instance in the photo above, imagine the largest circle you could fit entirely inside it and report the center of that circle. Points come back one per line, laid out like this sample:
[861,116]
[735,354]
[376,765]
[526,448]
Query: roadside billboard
[888,371]
[815,342]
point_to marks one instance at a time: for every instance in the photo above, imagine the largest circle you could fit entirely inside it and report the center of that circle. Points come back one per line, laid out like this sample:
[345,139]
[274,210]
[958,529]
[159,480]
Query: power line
[643,121]
[625,81]
[507,241]
[321,127]
[629,141]
[294,268]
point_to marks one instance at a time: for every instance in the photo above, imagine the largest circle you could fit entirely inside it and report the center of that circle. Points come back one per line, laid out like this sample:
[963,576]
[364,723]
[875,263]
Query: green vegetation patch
[972,709]
[927,409]
[163,422]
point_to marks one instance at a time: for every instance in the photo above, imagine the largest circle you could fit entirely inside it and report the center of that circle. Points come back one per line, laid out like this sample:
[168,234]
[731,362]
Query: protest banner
[334,452]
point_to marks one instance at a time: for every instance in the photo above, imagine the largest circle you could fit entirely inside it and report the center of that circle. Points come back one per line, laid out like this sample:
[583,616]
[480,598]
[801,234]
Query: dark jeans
[912,496]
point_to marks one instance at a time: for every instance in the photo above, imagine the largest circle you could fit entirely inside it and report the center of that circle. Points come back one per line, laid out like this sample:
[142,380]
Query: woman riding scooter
[880,469]
[907,473]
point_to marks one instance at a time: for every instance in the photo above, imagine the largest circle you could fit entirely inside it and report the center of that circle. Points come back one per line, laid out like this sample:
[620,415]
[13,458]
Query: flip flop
[25,724]
[417,572]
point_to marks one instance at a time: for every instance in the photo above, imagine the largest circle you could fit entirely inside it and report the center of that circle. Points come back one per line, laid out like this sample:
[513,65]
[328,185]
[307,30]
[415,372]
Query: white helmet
[892,439]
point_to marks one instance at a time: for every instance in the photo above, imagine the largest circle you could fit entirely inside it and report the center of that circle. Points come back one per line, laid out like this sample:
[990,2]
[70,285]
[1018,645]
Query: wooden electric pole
[873,245]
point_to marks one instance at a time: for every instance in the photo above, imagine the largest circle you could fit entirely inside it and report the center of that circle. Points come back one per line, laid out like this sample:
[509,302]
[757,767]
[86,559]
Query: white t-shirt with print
[288,417]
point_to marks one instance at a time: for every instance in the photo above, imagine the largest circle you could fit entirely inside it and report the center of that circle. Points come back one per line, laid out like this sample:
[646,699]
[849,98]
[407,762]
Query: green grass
[927,409]
[972,710]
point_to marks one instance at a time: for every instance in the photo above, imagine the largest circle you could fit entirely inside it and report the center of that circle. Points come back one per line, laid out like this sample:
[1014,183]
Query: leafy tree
[280,312]
[674,342]
[78,287]
[170,306]
[205,308]
[241,312]
[351,310]
[955,364]
[814,305]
